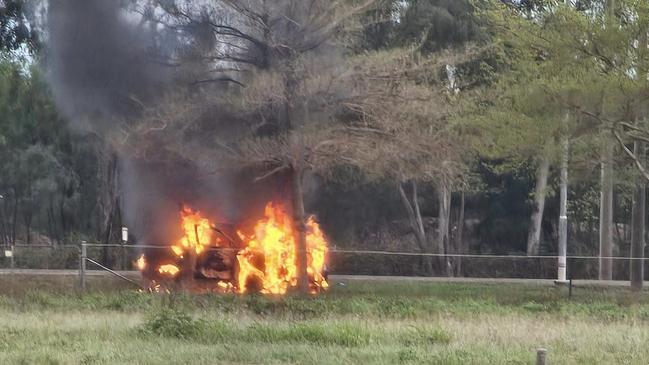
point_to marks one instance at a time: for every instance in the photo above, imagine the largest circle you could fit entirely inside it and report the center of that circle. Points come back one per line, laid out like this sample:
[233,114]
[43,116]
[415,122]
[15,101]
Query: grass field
[358,323]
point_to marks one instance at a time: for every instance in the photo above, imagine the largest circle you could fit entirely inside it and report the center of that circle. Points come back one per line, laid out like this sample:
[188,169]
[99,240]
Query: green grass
[368,323]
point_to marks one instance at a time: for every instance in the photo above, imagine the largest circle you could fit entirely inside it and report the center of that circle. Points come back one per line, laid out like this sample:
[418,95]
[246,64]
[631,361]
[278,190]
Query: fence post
[82,265]
[124,252]
[541,355]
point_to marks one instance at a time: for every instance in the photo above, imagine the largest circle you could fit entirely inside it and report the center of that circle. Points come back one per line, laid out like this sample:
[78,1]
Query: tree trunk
[444,196]
[534,235]
[416,224]
[108,199]
[3,221]
[610,6]
[563,210]
[606,213]
[52,232]
[64,222]
[461,249]
[638,224]
[28,226]
[299,225]
[28,213]
[107,235]
[419,220]
[14,222]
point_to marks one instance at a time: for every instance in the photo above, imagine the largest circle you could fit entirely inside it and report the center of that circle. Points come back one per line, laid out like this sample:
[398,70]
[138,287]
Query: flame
[197,233]
[316,253]
[140,263]
[178,251]
[270,255]
[169,269]
[225,287]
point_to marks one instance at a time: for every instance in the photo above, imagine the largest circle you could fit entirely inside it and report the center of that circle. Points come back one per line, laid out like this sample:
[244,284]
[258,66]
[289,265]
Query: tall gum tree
[605,88]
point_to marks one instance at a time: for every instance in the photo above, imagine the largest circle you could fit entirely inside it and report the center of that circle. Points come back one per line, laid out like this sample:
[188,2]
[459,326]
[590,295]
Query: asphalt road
[340,278]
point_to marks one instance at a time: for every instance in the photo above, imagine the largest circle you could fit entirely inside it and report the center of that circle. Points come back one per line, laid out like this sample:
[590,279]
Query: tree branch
[632,155]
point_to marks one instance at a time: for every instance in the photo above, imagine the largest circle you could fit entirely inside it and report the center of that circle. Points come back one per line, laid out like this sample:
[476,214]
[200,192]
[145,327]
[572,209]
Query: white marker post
[10,254]
[124,234]
[124,253]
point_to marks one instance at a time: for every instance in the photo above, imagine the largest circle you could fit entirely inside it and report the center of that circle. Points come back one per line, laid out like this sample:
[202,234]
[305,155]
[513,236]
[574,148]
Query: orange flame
[268,258]
[270,255]
[169,269]
[317,253]
[140,263]
[197,233]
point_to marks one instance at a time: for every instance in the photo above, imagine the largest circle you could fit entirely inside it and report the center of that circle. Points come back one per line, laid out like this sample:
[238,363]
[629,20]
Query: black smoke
[106,66]
[100,62]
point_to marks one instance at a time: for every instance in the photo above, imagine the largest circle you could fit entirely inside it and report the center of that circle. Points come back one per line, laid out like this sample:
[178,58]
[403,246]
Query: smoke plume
[103,65]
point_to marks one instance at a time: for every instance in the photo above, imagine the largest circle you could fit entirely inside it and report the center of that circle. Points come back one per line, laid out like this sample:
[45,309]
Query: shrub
[168,322]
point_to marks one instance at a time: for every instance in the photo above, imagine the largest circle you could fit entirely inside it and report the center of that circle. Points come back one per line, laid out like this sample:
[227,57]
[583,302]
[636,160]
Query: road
[341,278]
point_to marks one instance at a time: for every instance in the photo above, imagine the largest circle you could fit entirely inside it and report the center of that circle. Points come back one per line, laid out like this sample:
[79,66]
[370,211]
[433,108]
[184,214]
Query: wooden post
[541,356]
[82,265]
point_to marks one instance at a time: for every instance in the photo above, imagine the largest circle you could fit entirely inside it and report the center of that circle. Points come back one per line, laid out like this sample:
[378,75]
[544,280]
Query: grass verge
[371,323]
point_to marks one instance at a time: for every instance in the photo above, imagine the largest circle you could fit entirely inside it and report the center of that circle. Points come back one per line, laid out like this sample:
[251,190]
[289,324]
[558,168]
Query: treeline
[452,124]
[49,180]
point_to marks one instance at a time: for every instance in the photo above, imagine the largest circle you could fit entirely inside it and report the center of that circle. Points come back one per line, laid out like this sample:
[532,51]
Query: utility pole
[606,197]
[563,209]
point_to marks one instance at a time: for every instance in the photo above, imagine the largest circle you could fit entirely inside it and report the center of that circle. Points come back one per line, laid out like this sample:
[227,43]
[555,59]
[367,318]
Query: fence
[113,258]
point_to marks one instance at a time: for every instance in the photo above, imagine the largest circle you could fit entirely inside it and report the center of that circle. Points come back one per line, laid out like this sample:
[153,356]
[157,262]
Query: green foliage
[168,322]
[455,324]
[346,335]
[566,59]
[44,162]
[385,301]
[525,66]
[15,28]
[437,24]
[426,336]
[429,25]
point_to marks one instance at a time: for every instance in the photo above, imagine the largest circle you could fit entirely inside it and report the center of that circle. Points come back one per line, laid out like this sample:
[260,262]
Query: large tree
[294,100]
[603,91]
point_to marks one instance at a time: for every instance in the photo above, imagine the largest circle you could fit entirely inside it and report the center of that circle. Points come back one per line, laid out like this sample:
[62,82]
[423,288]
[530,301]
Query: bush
[173,323]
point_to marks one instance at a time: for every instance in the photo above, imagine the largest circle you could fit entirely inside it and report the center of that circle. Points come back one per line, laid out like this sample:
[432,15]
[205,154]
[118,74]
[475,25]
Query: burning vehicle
[211,257]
